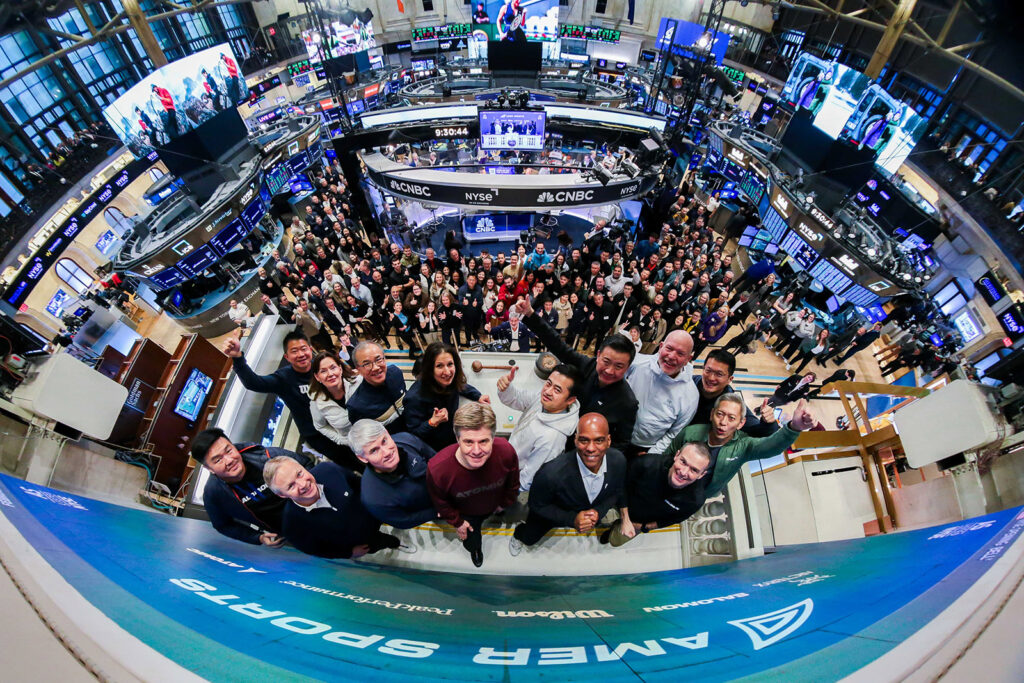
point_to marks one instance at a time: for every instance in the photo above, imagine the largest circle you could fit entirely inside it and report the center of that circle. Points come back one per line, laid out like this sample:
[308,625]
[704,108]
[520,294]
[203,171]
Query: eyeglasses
[367,364]
[716,373]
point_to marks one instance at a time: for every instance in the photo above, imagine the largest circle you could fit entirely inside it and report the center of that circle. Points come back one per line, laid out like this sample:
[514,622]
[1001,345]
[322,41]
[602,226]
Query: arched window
[74,275]
[117,220]
[155,174]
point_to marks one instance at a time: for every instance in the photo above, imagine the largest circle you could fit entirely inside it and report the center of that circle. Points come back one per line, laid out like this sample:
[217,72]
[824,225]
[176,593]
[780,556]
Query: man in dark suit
[577,488]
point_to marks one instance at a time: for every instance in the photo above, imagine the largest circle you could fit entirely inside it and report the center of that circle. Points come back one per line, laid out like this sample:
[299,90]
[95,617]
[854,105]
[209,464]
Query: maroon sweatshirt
[457,491]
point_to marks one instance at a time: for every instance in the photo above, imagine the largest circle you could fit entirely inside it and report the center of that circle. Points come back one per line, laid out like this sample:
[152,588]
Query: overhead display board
[441,32]
[601,35]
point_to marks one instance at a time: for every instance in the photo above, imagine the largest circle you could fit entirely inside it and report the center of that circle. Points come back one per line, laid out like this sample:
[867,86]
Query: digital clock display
[452,132]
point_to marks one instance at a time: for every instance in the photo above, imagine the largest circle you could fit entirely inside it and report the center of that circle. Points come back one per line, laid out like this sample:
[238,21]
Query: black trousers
[533,529]
[474,539]
[379,540]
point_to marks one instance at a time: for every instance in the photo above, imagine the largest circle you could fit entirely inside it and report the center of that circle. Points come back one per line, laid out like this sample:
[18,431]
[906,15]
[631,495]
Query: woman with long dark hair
[328,405]
[432,400]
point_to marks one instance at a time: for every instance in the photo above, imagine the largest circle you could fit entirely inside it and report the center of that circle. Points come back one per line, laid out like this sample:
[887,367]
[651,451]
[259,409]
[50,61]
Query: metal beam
[145,33]
[85,17]
[822,8]
[944,32]
[893,31]
[966,46]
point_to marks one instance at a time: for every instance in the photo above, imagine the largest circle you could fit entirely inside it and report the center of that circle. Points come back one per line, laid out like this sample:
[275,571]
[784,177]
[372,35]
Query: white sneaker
[406,548]
[515,546]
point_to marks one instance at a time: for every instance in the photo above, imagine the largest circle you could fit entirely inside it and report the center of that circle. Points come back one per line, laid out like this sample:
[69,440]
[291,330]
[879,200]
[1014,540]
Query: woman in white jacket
[549,418]
[328,405]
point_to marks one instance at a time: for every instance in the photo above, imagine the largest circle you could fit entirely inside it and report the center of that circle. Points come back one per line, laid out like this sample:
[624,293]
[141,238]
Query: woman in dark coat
[432,400]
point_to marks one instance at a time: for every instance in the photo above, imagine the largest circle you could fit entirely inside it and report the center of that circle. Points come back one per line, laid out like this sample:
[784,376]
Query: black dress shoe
[606,536]
[478,557]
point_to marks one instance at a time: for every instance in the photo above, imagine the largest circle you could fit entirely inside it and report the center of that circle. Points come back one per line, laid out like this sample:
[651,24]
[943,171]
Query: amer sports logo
[409,188]
[565,196]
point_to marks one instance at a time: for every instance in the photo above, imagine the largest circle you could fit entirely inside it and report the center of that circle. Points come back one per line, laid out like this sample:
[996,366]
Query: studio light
[602,174]
[629,168]
[656,134]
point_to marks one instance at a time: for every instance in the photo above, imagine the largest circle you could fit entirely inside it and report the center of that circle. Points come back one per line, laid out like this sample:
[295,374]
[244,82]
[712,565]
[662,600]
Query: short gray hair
[362,346]
[271,467]
[363,432]
[731,397]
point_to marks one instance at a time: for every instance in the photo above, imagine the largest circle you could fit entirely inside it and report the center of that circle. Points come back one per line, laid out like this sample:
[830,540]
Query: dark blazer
[327,532]
[226,512]
[557,493]
[786,392]
[419,408]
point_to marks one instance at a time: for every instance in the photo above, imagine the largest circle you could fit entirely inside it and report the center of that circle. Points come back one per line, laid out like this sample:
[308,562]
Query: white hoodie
[667,404]
[538,437]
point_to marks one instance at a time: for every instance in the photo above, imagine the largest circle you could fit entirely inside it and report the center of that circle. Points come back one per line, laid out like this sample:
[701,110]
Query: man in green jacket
[730,447]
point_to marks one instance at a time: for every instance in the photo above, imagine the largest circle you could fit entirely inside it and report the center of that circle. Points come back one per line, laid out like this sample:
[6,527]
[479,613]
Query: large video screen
[885,124]
[843,88]
[680,37]
[828,90]
[517,20]
[512,129]
[177,98]
[342,39]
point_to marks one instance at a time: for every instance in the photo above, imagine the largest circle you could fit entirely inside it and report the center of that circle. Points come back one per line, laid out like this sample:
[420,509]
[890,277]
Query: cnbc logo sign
[565,196]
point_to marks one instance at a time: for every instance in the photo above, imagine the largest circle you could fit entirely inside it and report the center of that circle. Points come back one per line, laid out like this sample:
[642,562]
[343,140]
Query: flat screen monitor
[832,304]
[195,263]
[514,56]
[167,278]
[229,236]
[193,396]
[512,129]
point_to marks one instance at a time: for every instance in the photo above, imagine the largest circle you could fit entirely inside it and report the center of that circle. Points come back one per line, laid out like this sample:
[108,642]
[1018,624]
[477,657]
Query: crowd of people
[621,423]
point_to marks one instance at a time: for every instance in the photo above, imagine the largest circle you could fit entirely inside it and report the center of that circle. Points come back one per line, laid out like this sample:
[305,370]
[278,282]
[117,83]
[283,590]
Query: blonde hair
[474,416]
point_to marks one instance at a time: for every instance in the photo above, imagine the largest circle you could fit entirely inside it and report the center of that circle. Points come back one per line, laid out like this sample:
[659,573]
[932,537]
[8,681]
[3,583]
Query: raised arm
[549,337]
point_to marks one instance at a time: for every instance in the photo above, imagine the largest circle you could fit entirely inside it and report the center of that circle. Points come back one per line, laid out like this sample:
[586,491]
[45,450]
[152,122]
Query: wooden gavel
[478,366]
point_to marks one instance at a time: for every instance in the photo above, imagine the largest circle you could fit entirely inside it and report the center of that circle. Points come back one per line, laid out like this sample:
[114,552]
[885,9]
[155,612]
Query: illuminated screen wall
[342,39]
[683,34]
[828,90]
[177,98]
[536,20]
[885,124]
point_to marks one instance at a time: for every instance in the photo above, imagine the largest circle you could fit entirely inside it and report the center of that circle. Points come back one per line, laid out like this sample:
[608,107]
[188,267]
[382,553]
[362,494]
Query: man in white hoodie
[549,417]
[663,385]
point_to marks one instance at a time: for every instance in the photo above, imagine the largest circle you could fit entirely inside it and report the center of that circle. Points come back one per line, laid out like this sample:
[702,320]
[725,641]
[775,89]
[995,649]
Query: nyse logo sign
[248,195]
[629,189]
[565,196]
[409,188]
[481,196]
[148,270]
[809,232]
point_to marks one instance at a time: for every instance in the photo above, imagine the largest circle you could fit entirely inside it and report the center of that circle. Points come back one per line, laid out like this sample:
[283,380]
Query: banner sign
[507,193]
[224,609]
